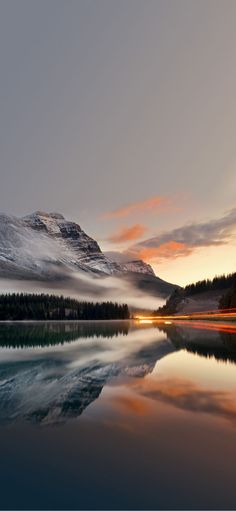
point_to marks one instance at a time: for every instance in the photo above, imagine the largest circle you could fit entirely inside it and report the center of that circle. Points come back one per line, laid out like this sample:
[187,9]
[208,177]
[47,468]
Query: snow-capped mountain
[138,266]
[44,243]
[47,246]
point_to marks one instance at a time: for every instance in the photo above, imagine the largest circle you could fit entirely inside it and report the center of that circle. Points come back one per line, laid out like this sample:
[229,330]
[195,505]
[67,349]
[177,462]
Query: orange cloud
[153,203]
[169,250]
[128,233]
[184,240]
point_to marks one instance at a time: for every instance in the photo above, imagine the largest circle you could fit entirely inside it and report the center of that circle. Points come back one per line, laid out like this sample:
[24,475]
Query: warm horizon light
[118,157]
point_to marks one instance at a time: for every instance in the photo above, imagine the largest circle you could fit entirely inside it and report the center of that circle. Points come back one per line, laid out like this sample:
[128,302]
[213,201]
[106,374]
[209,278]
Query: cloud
[128,233]
[184,240]
[152,204]
[171,249]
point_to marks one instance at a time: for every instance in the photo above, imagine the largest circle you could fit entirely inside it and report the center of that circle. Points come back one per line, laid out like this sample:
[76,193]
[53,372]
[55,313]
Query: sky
[121,115]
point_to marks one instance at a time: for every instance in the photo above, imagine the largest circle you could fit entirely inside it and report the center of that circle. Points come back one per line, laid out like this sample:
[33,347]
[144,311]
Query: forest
[224,283]
[21,306]
[228,300]
[219,283]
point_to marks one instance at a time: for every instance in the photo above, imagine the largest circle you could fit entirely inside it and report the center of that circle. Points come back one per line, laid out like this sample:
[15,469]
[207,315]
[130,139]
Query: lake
[118,415]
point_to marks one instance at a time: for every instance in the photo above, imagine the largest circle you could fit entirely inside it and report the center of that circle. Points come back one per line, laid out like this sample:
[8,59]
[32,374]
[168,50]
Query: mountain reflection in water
[117,415]
[56,370]
[60,368]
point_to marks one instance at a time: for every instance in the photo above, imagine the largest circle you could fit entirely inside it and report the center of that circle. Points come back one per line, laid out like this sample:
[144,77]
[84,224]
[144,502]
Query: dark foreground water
[117,415]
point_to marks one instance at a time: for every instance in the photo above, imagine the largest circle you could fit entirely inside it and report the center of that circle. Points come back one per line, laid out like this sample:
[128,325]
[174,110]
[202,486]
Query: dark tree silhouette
[228,300]
[224,283]
[21,306]
[54,333]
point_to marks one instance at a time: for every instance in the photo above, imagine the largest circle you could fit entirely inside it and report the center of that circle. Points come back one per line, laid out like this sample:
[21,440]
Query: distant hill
[202,296]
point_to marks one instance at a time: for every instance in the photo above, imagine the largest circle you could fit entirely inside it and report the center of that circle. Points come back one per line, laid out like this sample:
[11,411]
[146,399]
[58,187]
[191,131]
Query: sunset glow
[118,255]
[197,320]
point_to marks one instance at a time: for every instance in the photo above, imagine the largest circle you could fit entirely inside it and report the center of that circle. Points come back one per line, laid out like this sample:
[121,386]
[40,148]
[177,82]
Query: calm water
[117,415]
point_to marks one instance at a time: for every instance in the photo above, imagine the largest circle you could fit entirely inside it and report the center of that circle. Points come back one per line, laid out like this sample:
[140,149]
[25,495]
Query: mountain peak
[47,246]
[138,266]
[44,214]
[130,265]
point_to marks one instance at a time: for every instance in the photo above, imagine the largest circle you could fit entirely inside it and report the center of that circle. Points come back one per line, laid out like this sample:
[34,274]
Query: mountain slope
[46,246]
[205,295]
[142,275]
[43,245]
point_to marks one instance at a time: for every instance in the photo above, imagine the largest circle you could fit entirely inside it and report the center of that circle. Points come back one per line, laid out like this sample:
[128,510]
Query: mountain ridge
[47,246]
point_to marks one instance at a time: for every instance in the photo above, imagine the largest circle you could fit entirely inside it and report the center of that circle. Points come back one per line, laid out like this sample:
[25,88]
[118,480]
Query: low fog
[86,287]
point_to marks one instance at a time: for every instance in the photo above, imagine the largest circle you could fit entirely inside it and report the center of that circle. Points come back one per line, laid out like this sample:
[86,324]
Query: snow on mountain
[138,266]
[43,243]
[77,248]
[128,264]
[39,240]
[46,246]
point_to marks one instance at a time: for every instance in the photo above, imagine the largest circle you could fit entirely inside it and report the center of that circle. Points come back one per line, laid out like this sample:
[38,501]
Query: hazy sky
[125,105]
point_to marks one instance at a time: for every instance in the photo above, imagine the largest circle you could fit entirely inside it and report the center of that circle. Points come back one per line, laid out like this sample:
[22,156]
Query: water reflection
[205,339]
[52,372]
[20,335]
[117,415]
[51,379]
[189,396]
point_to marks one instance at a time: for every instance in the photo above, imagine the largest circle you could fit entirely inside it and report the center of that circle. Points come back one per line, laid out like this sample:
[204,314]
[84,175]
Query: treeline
[224,351]
[21,306]
[228,300]
[224,283]
[171,303]
[216,284]
[13,335]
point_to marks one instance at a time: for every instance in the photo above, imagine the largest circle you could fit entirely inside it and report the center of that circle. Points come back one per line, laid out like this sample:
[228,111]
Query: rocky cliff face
[46,246]
[137,266]
[76,247]
[42,244]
